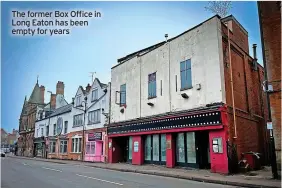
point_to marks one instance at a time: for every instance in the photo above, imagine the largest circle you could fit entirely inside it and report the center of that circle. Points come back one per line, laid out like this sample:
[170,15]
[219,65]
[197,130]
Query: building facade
[51,125]
[270,26]
[172,103]
[51,132]
[4,137]
[27,121]
[90,113]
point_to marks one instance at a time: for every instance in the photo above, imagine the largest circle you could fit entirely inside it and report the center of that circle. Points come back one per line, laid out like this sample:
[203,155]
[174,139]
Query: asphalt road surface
[21,173]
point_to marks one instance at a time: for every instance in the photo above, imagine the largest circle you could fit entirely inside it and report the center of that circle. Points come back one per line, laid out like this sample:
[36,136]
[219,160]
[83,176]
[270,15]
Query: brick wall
[71,155]
[270,20]
[248,97]
[238,35]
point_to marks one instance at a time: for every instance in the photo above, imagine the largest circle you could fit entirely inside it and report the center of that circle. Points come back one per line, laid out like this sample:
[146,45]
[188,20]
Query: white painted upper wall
[67,119]
[202,45]
[100,104]
[60,101]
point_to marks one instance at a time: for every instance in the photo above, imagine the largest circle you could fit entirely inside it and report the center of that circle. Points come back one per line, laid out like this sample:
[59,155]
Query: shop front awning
[186,120]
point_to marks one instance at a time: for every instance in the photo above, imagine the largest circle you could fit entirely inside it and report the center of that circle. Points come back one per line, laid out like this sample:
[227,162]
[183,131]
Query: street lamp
[83,130]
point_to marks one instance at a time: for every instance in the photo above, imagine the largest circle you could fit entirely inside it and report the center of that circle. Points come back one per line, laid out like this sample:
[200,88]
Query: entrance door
[148,148]
[202,144]
[129,150]
[155,148]
[186,149]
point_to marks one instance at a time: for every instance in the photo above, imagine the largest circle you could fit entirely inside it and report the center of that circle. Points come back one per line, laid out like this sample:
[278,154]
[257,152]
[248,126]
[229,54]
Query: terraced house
[192,100]
[51,126]
[90,113]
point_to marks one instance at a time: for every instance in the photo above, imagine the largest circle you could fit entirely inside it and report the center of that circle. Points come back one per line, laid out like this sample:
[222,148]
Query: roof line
[132,55]
[227,18]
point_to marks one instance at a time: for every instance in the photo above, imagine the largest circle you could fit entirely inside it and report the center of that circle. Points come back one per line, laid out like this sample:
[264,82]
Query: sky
[124,27]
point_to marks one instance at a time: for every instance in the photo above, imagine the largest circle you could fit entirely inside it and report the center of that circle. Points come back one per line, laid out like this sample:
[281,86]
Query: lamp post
[83,130]
[49,113]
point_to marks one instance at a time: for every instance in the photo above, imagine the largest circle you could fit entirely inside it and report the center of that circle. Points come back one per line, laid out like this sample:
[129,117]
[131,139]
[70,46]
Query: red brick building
[270,24]
[27,121]
[192,100]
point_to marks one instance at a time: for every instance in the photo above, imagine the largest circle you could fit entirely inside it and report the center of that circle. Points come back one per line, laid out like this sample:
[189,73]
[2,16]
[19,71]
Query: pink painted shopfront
[94,147]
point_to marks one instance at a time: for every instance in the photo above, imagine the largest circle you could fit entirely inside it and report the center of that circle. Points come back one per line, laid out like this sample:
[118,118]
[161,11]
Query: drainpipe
[231,81]
[272,143]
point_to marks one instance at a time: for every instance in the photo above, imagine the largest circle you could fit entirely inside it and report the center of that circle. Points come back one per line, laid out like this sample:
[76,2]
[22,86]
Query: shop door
[155,149]
[148,149]
[129,149]
[202,145]
[186,150]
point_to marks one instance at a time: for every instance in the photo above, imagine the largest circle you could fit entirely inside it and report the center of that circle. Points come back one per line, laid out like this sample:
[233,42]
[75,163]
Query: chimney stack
[42,91]
[53,101]
[60,88]
[88,87]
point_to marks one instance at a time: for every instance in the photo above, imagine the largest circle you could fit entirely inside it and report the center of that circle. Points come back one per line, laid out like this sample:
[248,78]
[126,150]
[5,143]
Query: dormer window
[94,94]
[78,100]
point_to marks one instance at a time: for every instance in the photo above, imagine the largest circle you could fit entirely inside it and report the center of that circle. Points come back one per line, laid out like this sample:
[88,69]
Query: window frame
[75,121]
[97,94]
[90,144]
[76,102]
[47,130]
[63,143]
[66,127]
[52,147]
[54,129]
[96,112]
[76,145]
[153,83]
[122,93]
[184,82]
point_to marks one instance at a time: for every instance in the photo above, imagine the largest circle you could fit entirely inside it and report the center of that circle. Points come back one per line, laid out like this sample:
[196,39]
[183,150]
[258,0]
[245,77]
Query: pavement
[179,176]
[19,172]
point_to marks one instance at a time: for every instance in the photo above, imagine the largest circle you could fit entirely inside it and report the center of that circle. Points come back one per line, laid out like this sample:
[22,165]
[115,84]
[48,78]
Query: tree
[221,8]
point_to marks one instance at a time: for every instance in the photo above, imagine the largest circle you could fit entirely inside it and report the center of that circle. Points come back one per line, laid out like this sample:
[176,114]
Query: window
[76,145]
[66,127]
[47,130]
[37,132]
[185,74]
[95,94]
[123,94]
[54,130]
[77,120]
[52,147]
[152,86]
[94,116]
[63,146]
[90,147]
[41,131]
[78,100]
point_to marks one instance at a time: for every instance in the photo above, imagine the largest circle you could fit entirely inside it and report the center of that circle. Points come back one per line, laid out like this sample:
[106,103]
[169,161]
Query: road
[28,173]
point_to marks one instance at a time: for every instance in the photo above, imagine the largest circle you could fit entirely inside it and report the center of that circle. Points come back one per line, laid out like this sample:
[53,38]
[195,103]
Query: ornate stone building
[27,120]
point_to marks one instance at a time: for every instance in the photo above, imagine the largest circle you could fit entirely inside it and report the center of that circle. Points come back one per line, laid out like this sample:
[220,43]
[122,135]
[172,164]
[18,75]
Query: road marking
[25,164]
[100,180]
[52,169]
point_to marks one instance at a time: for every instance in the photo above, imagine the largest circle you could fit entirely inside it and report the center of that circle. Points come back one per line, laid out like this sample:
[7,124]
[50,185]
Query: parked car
[6,150]
[2,153]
